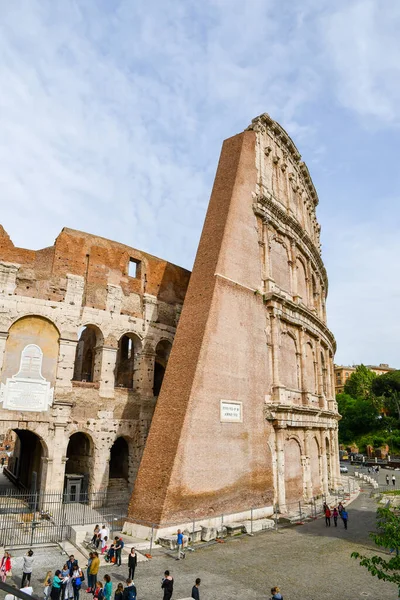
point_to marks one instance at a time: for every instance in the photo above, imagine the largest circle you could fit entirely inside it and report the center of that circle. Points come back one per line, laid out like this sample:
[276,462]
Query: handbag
[113,559]
[9,573]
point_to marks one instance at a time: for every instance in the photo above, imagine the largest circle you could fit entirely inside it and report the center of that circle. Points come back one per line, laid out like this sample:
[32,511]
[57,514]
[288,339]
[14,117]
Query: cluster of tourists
[335,513]
[393,479]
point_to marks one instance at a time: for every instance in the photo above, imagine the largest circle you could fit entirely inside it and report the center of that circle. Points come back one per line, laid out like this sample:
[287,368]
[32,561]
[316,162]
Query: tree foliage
[359,417]
[388,536]
[360,382]
[388,387]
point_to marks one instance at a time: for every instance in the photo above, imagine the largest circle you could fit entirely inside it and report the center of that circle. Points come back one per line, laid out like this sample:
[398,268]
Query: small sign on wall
[231,412]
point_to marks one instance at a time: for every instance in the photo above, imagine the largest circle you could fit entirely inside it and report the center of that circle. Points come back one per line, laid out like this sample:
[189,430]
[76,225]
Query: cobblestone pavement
[309,562]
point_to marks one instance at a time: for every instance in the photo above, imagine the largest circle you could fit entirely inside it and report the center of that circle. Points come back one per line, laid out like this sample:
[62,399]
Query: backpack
[130,593]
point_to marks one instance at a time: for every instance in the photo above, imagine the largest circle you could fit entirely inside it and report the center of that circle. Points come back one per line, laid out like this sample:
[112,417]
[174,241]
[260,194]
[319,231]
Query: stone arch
[288,361]
[88,354]
[119,474]
[163,350]
[129,349]
[37,331]
[301,278]
[309,377]
[27,465]
[280,267]
[79,465]
[294,486]
[315,466]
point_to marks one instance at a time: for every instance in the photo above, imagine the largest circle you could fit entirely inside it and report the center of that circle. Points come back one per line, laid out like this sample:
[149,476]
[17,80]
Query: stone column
[307,475]
[280,467]
[61,413]
[293,269]
[335,457]
[107,378]
[66,364]
[275,349]
[3,339]
[325,480]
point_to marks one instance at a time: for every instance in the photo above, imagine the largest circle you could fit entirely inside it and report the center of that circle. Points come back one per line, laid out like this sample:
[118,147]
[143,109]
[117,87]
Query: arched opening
[289,368]
[324,375]
[163,350]
[129,347]
[309,374]
[293,474]
[118,482]
[26,464]
[301,280]
[78,467]
[88,355]
[315,466]
[280,265]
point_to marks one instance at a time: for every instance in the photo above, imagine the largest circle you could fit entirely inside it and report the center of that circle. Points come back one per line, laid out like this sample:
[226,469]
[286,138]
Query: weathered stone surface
[235,528]
[208,534]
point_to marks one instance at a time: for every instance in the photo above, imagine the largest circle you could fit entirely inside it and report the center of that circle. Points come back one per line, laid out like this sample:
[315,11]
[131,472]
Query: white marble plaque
[231,412]
[28,390]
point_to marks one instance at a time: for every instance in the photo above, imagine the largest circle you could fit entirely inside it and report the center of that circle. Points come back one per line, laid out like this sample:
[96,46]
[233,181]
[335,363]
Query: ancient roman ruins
[245,416]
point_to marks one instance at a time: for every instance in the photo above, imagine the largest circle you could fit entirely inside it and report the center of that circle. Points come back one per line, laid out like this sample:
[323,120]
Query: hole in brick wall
[134,268]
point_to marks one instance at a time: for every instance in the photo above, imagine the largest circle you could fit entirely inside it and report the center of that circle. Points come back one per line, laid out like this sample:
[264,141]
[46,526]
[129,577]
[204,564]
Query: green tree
[359,383]
[359,417]
[388,387]
[388,536]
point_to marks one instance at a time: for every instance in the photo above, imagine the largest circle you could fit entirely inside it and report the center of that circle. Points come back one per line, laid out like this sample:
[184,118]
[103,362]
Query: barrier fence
[29,518]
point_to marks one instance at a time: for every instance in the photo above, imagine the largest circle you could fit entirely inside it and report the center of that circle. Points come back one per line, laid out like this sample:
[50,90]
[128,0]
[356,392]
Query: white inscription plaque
[28,390]
[231,412]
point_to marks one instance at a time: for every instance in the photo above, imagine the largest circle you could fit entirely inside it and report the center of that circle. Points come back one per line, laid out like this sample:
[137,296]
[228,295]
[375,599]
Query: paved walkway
[309,562]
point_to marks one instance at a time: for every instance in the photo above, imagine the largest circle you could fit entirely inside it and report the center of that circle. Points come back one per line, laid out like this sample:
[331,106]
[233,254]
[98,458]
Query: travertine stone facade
[102,335]
[249,391]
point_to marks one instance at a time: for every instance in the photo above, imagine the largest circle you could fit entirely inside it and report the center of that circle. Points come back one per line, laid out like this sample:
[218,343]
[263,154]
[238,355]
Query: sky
[112,115]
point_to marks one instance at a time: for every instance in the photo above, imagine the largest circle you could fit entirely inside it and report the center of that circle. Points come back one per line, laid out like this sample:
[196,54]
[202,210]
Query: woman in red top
[5,566]
[328,515]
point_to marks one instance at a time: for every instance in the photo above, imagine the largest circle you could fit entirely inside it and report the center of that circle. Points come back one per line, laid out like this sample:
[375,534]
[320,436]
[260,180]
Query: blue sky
[112,115]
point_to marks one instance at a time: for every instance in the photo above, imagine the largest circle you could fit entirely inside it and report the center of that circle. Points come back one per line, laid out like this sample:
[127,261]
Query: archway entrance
[163,350]
[118,482]
[88,355]
[26,462]
[78,467]
[293,474]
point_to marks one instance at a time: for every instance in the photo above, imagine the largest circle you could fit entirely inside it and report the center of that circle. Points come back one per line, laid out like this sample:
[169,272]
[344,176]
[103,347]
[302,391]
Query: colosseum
[245,417]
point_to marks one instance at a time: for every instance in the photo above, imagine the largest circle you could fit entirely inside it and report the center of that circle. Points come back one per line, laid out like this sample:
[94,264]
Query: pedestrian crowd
[336,512]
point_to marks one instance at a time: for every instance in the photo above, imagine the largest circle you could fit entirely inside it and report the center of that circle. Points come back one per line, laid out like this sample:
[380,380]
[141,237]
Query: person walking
[93,571]
[56,586]
[345,518]
[27,568]
[328,517]
[5,566]
[47,585]
[107,589]
[340,508]
[132,562]
[387,479]
[393,480]
[130,591]
[195,589]
[167,585]
[335,516]
[179,544]
[118,546]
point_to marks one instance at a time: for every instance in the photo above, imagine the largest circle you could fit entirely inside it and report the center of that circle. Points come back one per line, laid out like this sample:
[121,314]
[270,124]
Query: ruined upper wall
[101,263]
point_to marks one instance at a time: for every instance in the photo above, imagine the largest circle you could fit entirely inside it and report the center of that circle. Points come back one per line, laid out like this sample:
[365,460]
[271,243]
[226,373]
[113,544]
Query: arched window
[129,348]
[324,374]
[280,265]
[163,350]
[88,355]
[301,280]
[309,374]
[288,362]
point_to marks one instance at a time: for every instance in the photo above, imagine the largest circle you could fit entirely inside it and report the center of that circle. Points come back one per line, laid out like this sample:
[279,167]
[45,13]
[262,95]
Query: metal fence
[33,518]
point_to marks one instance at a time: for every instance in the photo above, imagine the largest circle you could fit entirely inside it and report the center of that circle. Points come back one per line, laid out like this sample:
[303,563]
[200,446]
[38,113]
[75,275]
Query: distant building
[342,373]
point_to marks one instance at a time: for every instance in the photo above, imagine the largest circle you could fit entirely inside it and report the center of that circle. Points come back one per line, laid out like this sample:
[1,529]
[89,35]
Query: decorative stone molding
[8,277]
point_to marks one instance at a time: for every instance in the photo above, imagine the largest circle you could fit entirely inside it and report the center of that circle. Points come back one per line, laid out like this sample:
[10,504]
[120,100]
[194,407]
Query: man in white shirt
[27,590]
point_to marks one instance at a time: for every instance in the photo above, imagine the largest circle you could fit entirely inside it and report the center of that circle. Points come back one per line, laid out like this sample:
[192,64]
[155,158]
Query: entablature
[283,416]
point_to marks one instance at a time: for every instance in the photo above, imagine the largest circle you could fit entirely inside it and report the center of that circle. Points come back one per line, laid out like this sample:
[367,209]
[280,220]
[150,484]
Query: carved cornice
[265,123]
[281,414]
[271,299]
[264,203]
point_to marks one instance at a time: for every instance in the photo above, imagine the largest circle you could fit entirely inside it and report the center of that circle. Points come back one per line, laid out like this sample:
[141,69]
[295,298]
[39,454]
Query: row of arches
[293,275]
[27,463]
[88,364]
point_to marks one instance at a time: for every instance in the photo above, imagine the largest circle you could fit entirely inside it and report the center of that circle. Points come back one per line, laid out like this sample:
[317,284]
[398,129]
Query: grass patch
[391,493]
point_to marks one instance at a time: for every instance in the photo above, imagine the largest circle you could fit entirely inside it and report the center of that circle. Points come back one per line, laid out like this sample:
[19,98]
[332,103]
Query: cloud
[113,115]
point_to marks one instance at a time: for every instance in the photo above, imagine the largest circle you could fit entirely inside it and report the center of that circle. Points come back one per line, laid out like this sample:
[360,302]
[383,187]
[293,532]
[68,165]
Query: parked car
[343,469]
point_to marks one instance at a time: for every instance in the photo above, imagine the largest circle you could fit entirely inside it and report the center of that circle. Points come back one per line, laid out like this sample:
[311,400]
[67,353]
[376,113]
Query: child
[98,592]
[119,592]
[104,544]
[110,554]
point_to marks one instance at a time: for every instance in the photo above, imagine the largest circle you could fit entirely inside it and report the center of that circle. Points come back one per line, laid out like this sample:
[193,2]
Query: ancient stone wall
[92,320]
[248,398]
